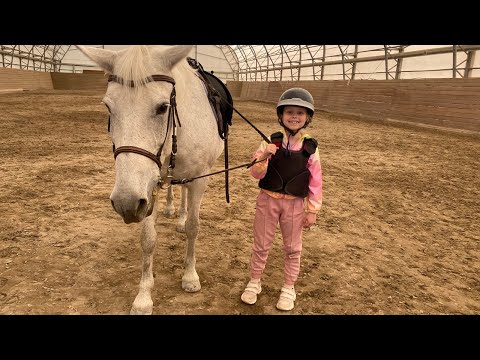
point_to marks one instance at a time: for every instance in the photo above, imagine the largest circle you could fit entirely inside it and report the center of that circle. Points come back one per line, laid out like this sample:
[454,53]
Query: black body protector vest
[287,172]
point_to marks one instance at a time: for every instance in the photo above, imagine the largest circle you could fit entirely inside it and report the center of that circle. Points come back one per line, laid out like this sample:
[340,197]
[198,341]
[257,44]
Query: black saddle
[219,97]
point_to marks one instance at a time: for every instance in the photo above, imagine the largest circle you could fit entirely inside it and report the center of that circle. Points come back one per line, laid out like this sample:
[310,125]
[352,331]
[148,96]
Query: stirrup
[286,301]
[250,293]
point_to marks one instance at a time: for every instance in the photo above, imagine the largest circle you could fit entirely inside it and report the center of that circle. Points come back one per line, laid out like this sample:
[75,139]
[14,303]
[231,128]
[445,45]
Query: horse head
[138,100]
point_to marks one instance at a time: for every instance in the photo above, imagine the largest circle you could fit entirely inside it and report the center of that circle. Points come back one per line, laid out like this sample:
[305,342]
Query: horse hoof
[142,307]
[181,228]
[138,311]
[191,286]
[169,213]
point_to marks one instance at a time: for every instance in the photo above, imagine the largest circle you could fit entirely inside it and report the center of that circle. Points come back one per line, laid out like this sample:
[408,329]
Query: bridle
[172,115]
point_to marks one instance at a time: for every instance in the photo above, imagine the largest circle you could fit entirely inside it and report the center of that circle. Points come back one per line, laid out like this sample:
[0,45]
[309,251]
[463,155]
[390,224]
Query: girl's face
[294,117]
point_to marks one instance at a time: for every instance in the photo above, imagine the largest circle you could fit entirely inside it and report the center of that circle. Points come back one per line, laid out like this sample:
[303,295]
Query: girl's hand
[271,149]
[309,219]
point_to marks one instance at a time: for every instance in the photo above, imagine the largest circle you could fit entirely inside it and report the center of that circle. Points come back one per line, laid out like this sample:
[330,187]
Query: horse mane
[134,65]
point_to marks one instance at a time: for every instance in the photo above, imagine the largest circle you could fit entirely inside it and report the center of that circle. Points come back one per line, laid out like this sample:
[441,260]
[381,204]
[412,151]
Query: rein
[173,118]
[196,65]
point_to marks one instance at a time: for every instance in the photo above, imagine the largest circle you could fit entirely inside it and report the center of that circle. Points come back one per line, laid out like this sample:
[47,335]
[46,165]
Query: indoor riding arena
[398,232]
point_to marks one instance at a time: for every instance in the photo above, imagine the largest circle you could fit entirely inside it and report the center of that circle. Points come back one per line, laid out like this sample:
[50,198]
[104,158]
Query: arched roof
[288,62]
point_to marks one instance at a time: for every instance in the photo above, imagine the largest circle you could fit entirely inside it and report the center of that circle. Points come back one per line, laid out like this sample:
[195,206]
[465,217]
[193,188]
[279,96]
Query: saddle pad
[224,103]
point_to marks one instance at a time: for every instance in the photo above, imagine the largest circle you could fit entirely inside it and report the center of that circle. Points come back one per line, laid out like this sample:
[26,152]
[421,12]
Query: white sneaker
[251,291]
[287,299]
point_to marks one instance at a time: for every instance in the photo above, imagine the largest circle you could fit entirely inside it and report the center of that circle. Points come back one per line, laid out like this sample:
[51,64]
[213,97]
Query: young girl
[290,193]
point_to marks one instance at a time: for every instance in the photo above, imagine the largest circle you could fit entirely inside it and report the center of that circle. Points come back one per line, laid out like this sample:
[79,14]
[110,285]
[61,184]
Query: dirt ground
[398,232]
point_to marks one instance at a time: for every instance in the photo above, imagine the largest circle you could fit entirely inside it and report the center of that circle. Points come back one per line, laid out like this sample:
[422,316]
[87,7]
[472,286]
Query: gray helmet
[296,97]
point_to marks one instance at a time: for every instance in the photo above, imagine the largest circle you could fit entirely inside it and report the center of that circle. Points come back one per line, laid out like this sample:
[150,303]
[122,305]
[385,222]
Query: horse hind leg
[182,212]
[169,210]
[190,279]
[143,304]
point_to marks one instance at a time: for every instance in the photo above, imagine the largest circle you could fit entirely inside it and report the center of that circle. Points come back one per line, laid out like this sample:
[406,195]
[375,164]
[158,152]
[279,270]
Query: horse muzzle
[132,208]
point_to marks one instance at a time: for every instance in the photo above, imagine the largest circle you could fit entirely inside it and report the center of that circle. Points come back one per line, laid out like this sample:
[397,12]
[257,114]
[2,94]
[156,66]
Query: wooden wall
[87,81]
[16,79]
[451,103]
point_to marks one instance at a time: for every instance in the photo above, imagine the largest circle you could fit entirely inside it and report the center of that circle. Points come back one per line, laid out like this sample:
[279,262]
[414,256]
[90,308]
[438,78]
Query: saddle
[222,105]
[219,96]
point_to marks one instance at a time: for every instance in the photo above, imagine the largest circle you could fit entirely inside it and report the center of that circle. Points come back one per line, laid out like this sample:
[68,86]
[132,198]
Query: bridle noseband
[172,114]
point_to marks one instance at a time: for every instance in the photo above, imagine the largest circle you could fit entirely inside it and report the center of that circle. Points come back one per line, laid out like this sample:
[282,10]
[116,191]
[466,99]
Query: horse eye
[161,109]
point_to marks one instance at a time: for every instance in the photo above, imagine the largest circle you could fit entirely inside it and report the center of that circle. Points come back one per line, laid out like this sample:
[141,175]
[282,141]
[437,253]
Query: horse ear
[102,57]
[172,55]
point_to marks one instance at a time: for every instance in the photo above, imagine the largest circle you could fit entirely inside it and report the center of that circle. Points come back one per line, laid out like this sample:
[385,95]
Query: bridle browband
[148,79]
[172,114]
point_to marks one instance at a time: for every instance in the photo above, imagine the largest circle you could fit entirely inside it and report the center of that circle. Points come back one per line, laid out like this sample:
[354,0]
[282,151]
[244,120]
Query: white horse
[145,84]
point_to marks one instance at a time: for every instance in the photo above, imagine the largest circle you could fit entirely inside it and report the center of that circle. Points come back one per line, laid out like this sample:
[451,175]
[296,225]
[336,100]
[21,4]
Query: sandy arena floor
[398,232]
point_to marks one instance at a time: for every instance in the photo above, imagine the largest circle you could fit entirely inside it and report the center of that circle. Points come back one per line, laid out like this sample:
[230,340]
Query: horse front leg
[182,212]
[143,304]
[190,279]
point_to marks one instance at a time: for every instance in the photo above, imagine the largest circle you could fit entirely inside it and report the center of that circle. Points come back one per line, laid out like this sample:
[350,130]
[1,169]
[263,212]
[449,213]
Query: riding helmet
[296,97]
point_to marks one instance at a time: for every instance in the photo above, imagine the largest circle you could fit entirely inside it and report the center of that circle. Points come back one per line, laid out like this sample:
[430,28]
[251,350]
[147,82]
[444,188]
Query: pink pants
[290,214]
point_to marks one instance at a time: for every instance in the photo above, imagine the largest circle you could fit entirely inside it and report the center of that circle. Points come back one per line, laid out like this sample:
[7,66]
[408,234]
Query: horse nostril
[142,204]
